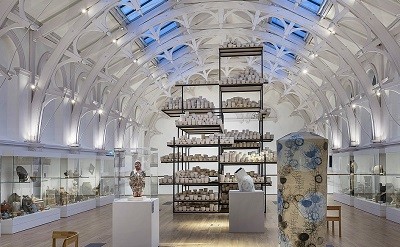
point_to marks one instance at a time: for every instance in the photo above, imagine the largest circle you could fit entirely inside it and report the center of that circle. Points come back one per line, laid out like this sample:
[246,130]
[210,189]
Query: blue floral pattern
[302,187]
[312,207]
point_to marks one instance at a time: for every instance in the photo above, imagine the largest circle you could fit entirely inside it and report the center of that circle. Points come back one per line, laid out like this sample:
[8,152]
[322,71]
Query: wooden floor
[359,230]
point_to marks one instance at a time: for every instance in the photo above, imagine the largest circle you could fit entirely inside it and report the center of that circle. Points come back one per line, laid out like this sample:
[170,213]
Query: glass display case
[393,179]
[369,179]
[339,173]
[106,184]
[78,181]
[125,164]
[21,186]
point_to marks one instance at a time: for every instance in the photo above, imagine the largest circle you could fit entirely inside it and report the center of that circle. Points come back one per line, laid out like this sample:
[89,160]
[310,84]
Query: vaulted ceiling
[317,53]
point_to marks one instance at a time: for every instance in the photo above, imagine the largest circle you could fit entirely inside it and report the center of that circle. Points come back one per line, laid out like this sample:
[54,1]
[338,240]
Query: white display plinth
[76,208]
[393,214]
[370,207]
[21,223]
[344,198]
[104,200]
[136,223]
[246,211]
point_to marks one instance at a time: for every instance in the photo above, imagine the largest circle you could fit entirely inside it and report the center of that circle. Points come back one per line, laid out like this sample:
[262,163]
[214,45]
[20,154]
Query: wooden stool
[334,218]
[69,238]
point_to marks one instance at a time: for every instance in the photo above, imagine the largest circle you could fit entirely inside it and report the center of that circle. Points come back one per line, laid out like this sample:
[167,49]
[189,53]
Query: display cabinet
[78,185]
[125,164]
[369,188]
[392,173]
[106,183]
[341,178]
[22,194]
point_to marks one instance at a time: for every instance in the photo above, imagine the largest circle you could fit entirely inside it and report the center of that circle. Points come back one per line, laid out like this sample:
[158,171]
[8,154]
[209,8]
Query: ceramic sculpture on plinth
[302,189]
[137,180]
[245,182]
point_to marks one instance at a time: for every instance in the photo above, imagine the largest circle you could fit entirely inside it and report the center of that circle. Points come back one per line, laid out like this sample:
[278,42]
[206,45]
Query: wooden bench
[337,217]
[68,236]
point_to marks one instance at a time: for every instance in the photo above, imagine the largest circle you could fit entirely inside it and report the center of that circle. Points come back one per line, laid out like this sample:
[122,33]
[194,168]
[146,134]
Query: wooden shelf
[240,109]
[191,161]
[199,184]
[201,129]
[243,87]
[210,201]
[196,85]
[198,145]
[241,51]
[178,112]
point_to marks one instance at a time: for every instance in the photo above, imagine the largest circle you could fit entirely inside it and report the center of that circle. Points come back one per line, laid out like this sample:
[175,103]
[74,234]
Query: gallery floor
[359,230]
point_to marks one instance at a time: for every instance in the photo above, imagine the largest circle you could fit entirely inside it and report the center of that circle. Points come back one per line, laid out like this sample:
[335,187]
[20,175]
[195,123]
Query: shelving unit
[188,130]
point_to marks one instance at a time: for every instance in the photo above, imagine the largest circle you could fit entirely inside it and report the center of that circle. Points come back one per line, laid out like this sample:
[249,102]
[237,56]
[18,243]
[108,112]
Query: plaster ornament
[137,180]
[245,182]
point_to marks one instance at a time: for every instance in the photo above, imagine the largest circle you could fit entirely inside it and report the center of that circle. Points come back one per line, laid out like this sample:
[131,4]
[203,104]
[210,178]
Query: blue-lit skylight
[130,14]
[289,54]
[177,48]
[312,5]
[299,33]
[163,31]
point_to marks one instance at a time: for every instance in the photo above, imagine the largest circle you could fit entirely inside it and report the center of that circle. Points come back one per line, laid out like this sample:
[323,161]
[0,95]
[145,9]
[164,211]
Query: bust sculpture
[137,180]
[245,182]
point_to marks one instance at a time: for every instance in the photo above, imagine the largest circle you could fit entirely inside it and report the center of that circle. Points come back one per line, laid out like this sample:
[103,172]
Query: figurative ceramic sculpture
[22,174]
[27,205]
[302,189]
[137,180]
[245,182]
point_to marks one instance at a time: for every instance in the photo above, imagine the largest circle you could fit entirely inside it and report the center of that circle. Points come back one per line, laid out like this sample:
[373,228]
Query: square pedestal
[246,211]
[136,223]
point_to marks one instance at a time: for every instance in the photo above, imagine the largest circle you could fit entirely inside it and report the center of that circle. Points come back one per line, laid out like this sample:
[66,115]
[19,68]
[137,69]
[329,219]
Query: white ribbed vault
[338,66]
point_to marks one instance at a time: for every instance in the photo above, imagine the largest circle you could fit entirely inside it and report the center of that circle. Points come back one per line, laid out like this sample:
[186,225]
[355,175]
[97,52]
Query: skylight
[299,33]
[177,48]
[289,54]
[130,14]
[147,40]
[314,6]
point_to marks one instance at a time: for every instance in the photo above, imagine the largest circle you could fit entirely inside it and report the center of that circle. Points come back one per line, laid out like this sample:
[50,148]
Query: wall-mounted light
[100,111]
[33,86]
[353,106]
[84,11]
[73,101]
[114,41]
[135,60]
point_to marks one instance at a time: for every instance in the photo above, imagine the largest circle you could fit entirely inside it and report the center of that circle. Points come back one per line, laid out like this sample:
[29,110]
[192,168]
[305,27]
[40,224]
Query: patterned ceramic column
[302,190]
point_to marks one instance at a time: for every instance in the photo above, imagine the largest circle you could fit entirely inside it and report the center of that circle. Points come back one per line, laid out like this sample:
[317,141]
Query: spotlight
[378,93]
[73,101]
[305,71]
[353,106]
[33,86]
[84,11]
[100,111]
[114,41]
